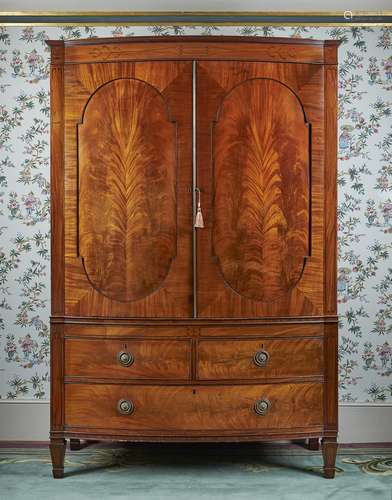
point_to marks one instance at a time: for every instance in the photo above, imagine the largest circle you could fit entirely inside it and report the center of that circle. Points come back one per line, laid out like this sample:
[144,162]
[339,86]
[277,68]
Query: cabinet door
[128,168]
[260,169]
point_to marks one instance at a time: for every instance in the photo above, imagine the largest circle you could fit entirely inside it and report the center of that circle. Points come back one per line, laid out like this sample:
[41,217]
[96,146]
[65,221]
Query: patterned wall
[365,204]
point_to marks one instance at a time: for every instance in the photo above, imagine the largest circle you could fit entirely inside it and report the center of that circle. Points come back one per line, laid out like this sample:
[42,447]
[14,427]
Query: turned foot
[57,452]
[313,444]
[75,444]
[330,447]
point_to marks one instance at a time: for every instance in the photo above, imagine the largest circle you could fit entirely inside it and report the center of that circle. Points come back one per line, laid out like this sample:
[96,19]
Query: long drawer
[128,359]
[192,408]
[258,359]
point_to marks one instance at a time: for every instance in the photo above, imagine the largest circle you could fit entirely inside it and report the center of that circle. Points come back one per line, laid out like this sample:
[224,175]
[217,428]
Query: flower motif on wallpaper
[387,66]
[364,205]
[27,348]
[32,66]
[380,72]
[30,209]
[354,136]
[378,358]
[379,215]
[345,138]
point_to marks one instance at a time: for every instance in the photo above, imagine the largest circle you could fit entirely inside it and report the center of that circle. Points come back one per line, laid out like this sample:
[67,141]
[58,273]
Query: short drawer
[168,409]
[125,331]
[128,359]
[258,359]
[264,330]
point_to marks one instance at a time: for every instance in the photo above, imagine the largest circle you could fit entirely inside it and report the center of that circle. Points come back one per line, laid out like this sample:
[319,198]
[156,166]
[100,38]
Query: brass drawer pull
[125,358]
[263,406]
[125,407]
[261,358]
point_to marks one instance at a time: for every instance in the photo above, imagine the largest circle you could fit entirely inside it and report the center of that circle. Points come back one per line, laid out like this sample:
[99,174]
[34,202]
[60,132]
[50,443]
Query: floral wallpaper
[364,212]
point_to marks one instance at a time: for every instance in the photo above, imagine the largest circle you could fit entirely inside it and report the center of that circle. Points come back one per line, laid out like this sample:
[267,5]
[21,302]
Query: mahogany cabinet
[193,241]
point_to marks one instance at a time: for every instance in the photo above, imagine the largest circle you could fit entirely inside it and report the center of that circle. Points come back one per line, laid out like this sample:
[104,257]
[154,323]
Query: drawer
[128,359]
[141,331]
[261,330]
[257,359]
[194,408]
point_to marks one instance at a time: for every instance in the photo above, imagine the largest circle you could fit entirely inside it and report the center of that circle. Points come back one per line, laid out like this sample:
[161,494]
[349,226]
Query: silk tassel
[199,222]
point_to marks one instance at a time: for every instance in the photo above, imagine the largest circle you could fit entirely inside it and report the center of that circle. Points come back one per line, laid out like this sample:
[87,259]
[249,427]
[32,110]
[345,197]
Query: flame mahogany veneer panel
[191,408]
[127,169]
[260,233]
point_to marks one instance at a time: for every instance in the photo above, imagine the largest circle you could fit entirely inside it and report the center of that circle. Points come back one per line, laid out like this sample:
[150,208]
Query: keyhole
[194,391]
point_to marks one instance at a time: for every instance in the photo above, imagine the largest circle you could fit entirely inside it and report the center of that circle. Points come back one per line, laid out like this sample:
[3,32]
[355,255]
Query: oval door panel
[261,189]
[127,189]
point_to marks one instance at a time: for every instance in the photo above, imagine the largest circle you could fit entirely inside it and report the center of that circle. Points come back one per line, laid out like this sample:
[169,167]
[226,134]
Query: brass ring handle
[125,407]
[263,406]
[261,358]
[125,358]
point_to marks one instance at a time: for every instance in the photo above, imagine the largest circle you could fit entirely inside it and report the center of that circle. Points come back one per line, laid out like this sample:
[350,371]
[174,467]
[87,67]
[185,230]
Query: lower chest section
[186,381]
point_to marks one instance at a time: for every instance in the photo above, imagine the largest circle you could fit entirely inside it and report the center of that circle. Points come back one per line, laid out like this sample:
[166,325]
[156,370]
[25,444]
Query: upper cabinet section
[138,123]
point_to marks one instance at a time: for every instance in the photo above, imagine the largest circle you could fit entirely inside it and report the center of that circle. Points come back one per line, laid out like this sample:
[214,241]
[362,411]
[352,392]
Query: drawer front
[128,359]
[141,331]
[194,408]
[275,330]
[257,359]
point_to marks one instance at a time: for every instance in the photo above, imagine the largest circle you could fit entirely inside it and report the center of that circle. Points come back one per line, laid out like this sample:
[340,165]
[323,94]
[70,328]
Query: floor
[195,471]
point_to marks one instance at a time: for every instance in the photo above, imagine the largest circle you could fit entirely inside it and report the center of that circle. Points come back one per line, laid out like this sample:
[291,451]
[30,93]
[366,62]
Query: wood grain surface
[194,408]
[331,186]
[247,48]
[116,330]
[152,359]
[127,189]
[128,212]
[261,154]
[262,189]
[283,329]
[234,359]
[57,179]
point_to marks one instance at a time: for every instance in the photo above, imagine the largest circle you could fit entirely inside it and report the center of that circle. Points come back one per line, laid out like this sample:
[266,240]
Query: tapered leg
[330,447]
[57,452]
[313,444]
[75,444]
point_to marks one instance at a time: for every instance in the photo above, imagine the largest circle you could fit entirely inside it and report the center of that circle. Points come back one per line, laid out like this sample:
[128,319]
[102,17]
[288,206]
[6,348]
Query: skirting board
[358,423]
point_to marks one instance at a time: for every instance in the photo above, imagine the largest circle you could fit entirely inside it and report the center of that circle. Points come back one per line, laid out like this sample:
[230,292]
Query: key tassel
[199,222]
